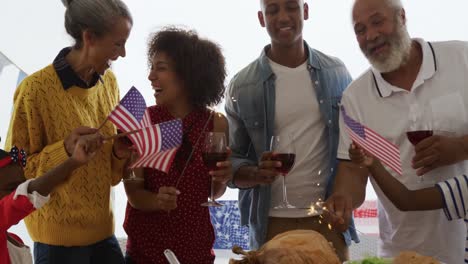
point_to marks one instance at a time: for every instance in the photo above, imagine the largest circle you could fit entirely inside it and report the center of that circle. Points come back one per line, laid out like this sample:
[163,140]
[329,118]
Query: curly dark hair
[199,63]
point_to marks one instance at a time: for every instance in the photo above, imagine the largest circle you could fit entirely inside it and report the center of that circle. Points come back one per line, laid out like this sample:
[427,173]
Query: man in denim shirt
[308,85]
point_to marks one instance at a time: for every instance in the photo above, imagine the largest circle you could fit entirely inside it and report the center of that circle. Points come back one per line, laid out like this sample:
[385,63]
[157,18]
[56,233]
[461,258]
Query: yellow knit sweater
[79,212]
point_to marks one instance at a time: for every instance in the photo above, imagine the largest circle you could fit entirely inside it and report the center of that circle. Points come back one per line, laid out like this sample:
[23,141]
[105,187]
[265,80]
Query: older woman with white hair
[52,108]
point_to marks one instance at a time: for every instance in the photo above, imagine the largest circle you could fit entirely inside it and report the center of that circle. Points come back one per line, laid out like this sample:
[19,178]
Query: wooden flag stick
[193,149]
[103,123]
[121,135]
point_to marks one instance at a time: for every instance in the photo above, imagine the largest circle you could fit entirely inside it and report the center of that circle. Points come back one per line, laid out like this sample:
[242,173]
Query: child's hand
[166,199]
[72,139]
[361,157]
[86,147]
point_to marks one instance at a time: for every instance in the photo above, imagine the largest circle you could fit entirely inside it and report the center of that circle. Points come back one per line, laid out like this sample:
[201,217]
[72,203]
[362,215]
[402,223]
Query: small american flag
[161,144]
[156,144]
[372,142]
[129,113]
[146,121]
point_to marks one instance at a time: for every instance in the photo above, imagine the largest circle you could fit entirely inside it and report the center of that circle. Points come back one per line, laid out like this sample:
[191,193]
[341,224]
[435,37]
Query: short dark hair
[198,62]
[96,15]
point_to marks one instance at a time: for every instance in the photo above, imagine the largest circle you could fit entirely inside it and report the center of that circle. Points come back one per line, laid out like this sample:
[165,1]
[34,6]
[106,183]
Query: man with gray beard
[412,85]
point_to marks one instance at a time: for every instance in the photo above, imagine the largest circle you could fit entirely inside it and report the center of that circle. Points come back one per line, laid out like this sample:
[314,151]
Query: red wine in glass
[214,151]
[210,159]
[283,150]
[417,136]
[287,162]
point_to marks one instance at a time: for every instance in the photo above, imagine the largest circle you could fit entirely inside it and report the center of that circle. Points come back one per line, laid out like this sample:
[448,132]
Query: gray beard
[400,49]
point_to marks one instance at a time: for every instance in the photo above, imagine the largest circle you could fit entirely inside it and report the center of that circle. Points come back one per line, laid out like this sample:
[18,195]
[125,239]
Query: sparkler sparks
[318,208]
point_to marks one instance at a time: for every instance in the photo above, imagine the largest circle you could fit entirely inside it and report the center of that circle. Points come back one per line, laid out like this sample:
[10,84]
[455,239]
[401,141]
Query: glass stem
[212,190]
[285,195]
[421,178]
[132,171]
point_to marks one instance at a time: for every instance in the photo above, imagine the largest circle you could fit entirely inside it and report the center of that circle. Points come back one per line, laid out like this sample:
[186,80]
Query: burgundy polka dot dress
[187,230]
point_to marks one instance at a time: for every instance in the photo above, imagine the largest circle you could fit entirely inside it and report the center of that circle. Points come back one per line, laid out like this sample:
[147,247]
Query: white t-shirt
[297,113]
[441,88]
[455,194]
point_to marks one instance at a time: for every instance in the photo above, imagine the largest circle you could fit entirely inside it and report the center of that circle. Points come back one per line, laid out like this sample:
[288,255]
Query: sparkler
[318,208]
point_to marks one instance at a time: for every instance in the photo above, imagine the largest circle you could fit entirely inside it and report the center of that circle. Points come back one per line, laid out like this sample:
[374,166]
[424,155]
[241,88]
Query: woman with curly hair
[164,210]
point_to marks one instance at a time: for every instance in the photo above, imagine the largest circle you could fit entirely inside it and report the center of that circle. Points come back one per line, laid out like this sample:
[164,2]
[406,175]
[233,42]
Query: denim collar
[266,72]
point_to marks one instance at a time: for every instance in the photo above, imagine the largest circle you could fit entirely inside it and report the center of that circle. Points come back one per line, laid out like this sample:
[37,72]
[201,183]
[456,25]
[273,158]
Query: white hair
[395,4]
[98,16]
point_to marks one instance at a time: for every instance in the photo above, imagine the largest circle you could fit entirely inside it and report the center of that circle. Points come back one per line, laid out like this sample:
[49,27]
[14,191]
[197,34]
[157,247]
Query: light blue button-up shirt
[250,109]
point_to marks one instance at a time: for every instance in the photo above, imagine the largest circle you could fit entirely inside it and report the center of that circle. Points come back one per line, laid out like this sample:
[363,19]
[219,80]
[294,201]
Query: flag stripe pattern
[163,141]
[146,121]
[375,144]
[129,113]
[156,144]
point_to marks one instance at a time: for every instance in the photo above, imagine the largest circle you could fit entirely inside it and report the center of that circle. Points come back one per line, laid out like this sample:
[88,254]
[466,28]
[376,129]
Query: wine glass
[214,151]
[133,157]
[132,177]
[283,150]
[420,128]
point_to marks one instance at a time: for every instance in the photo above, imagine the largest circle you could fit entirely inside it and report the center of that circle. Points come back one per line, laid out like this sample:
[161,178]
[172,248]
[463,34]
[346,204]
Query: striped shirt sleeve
[455,194]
